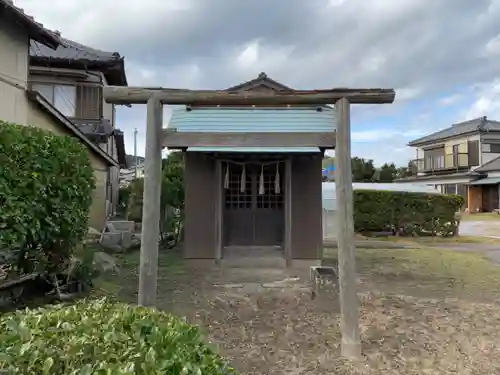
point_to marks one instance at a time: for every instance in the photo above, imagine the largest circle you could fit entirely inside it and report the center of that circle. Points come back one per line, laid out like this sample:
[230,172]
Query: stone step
[254,262]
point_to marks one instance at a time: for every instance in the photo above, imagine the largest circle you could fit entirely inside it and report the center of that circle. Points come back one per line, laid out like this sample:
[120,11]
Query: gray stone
[105,262]
[324,282]
[93,236]
[111,239]
[121,226]
[93,232]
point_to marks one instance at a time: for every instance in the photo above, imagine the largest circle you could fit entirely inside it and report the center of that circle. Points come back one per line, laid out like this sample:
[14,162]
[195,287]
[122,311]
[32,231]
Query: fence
[330,217]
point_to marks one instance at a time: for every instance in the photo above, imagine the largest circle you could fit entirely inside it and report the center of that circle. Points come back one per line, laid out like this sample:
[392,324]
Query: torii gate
[157,138]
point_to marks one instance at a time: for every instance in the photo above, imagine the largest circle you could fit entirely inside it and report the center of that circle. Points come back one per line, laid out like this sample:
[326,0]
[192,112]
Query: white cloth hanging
[277,188]
[262,190]
[243,180]
[226,177]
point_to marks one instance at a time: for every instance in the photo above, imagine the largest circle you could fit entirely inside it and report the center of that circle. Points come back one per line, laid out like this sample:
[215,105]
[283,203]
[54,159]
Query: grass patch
[436,241]
[122,285]
[427,272]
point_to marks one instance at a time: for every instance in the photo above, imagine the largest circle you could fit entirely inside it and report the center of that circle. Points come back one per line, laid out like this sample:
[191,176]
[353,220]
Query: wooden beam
[148,268]
[218,218]
[349,321]
[288,209]
[140,95]
[173,139]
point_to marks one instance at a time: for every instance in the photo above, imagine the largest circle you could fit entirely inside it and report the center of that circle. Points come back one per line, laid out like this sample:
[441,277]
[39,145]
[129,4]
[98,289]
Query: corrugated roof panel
[487,181]
[255,149]
[253,119]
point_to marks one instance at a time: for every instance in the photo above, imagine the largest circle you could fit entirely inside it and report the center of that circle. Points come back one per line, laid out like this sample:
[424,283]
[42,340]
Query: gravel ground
[421,312]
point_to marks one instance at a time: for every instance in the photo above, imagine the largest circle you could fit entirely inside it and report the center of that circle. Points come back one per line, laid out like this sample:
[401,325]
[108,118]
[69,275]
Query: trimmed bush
[404,213]
[46,186]
[101,337]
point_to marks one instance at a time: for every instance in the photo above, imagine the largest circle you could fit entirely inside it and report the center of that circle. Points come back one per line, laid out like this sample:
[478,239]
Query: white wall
[14,47]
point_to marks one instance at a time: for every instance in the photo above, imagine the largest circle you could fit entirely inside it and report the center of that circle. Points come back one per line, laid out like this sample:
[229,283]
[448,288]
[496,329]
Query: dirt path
[480,228]
[265,322]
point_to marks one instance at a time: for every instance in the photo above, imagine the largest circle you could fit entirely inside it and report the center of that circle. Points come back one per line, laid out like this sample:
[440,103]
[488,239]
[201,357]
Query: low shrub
[134,203]
[46,186]
[101,337]
[406,213]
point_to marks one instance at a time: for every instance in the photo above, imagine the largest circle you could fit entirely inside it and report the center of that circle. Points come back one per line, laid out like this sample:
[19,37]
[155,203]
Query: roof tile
[478,124]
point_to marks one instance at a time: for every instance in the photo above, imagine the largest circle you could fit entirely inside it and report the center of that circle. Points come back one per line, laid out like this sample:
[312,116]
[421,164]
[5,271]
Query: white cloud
[415,45]
[257,56]
[407,93]
[451,99]
[249,55]
[493,46]
[486,102]
[380,134]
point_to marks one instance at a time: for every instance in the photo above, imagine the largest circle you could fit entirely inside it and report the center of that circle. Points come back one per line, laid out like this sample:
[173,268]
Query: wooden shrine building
[253,176]
[255,200]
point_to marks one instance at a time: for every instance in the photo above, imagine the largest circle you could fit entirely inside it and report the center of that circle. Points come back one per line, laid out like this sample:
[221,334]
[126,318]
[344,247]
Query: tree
[388,173]
[362,170]
[172,199]
[410,170]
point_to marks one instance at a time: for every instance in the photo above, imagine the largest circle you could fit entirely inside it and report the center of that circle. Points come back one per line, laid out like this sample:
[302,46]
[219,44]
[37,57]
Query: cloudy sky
[441,56]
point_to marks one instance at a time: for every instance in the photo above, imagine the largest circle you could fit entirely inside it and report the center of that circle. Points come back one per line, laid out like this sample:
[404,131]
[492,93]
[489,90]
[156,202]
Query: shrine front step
[253,256]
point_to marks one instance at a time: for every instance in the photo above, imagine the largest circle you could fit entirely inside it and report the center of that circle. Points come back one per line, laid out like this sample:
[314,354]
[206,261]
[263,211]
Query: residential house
[20,105]
[16,29]
[128,175]
[462,159]
[71,78]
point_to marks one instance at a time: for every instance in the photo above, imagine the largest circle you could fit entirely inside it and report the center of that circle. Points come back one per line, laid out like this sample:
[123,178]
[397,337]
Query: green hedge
[405,213]
[101,337]
[46,187]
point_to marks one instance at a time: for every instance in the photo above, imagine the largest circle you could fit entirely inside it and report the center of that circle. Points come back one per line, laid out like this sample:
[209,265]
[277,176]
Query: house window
[438,161]
[473,153]
[79,101]
[63,97]
[450,189]
[455,155]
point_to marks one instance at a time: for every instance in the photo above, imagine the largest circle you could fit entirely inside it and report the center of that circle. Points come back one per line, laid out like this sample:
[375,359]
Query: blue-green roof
[258,119]
[256,149]
[223,119]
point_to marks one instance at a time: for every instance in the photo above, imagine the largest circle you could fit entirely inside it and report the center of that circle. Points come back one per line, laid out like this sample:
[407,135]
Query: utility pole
[135,153]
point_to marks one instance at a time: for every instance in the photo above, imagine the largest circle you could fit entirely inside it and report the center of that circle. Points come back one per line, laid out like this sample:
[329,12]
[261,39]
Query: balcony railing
[450,162]
[97,131]
[102,126]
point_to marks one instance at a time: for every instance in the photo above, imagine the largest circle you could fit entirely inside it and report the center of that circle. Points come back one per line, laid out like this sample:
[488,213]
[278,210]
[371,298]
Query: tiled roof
[35,29]
[262,79]
[481,124]
[80,56]
[492,165]
[72,51]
